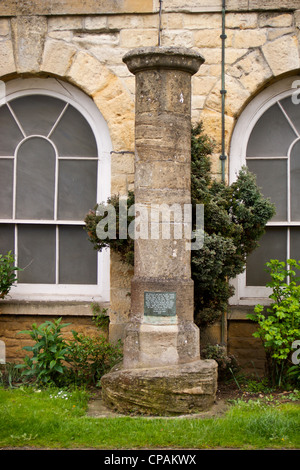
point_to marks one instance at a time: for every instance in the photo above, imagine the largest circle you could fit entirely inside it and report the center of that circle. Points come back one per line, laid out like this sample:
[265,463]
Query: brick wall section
[11,325]
[248,350]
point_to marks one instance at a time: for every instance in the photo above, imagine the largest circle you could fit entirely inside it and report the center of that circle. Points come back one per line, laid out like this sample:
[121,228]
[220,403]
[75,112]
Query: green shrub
[234,220]
[279,326]
[7,273]
[59,362]
[227,363]
[91,357]
[49,352]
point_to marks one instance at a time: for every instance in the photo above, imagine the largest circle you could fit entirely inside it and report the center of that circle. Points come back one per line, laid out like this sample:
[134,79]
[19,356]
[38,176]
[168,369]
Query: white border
[86,106]
[237,159]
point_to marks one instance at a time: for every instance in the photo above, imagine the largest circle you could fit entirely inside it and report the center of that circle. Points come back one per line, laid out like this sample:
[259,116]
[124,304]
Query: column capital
[175,58]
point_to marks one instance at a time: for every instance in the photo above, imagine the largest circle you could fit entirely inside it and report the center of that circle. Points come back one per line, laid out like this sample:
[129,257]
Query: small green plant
[9,375]
[279,326]
[57,361]
[7,273]
[91,357]
[47,365]
[227,363]
[100,316]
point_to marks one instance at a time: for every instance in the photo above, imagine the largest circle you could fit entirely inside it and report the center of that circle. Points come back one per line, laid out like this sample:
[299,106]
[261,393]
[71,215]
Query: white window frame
[86,106]
[251,295]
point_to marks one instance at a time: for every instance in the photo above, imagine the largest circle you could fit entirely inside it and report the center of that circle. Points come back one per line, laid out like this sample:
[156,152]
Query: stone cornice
[101,7]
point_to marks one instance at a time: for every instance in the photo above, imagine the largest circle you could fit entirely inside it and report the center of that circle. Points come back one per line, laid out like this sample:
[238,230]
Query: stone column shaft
[162,181]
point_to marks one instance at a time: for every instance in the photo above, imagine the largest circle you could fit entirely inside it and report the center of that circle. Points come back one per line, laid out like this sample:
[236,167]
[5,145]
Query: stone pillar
[162,372]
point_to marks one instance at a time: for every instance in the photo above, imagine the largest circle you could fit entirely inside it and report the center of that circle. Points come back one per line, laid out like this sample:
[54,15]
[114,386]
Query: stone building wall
[84,42]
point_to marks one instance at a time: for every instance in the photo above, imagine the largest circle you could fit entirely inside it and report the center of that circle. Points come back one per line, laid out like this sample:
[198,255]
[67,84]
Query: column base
[161,391]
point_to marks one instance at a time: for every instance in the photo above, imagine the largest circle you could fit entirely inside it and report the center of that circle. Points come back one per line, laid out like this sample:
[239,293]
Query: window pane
[37,113]
[273,245]
[295,181]
[73,136]
[272,179]
[77,188]
[36,245]
[10,134]
[77,259]
[7,238]
[6,187]
[295,243]
[292,110]
[271,135]
[35,179]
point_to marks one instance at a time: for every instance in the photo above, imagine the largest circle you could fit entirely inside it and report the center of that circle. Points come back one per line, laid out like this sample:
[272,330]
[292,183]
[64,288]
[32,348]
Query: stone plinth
[162,391]
[162,372]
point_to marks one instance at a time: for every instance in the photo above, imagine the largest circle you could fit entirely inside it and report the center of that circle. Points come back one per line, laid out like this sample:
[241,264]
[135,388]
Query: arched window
[54,167]
[267,140]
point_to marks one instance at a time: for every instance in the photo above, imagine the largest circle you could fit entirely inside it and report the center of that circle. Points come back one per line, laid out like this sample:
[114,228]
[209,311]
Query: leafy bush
[60,362]
[91,357]
[7,273]
[227,363]
[234,220]
[47,364]
[279,326]
[124,247]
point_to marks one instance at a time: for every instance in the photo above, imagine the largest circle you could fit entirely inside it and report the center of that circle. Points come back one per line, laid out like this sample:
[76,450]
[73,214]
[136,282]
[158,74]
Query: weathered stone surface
[28,33]
[4,27]
[211,124]
[235,98]
[241,20]
[58,57]
[282,54]
[88,73]
[64,7]
[252,71]
[249,38]
[275,20]
[7,61]
[157,342]
[162,391]
[136,38]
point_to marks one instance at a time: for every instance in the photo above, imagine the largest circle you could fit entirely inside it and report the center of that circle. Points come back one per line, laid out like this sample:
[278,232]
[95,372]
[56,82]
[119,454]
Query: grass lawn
[57,419]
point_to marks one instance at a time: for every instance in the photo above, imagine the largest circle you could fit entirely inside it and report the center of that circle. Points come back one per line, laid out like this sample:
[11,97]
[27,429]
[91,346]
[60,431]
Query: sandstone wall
[84,42]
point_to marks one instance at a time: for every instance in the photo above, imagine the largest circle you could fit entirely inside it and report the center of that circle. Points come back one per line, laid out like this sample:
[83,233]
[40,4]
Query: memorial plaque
[160,304]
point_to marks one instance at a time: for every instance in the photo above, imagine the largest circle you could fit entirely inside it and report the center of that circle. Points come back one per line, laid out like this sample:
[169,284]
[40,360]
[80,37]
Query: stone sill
[51,308]
[239,312]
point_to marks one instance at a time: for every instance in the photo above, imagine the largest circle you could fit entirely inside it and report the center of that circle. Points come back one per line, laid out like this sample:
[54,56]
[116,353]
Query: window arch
[54,166]
[267,140]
